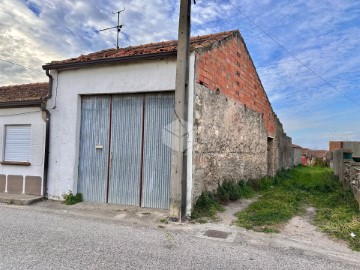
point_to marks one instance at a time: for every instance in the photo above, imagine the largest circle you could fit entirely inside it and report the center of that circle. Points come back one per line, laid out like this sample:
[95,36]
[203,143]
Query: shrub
[207,205]
[72,199]
[245,190]
[228,191]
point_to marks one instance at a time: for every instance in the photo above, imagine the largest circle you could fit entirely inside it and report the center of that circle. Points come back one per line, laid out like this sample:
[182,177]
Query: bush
[228,191]
[319,162]
[72,199]
[207,205]
[246,190]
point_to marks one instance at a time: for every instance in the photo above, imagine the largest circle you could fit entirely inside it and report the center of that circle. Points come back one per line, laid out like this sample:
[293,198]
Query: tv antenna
[118,27]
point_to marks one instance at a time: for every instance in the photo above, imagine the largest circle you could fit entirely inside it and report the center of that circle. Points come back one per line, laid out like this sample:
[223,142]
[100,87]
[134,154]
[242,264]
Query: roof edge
[24,103]
[153,56]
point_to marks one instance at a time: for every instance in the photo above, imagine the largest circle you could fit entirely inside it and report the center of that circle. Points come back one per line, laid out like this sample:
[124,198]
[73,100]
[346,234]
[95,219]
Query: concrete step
[19,199]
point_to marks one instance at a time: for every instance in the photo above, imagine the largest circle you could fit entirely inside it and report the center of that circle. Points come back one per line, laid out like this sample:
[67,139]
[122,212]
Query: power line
[16,64]
[292,55]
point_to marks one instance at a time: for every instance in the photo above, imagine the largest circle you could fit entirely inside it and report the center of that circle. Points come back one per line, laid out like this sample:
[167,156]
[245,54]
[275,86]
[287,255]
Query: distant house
[310,157]
[22,143]
[112,115]
[354,146]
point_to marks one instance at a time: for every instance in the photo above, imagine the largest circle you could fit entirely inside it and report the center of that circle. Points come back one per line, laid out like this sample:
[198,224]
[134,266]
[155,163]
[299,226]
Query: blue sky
[311,76]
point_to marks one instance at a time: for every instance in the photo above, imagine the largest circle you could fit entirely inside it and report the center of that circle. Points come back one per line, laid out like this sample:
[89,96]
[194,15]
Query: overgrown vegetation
[209,203]
[290,192]
[70,198]
[285,196]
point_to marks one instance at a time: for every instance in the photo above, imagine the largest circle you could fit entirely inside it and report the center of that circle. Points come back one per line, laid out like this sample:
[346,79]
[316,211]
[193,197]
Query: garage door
[123,159]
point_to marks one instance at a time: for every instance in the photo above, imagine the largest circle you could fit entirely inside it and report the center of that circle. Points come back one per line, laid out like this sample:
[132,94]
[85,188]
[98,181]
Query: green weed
[207,205]
[70,198]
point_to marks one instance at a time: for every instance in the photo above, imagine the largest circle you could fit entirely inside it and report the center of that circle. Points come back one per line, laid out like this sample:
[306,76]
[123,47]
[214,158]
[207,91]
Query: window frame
[20,160]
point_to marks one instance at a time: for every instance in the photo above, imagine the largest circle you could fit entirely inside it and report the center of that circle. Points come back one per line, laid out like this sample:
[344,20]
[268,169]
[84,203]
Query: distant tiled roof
[317,153]
[151,48]
[23,92]
[296,146]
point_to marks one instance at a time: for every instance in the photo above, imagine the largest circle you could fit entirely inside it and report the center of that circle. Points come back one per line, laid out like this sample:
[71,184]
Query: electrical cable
[292,55]
[16,64]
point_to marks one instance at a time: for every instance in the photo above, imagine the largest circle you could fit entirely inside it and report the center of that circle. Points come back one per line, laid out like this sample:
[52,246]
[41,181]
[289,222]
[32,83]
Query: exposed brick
[229,68]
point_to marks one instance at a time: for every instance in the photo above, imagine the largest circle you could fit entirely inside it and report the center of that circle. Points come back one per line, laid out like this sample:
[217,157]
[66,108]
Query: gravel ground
[36,239]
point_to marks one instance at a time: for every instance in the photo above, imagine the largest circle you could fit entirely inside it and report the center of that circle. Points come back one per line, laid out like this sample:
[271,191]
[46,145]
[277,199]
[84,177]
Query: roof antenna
[118,27]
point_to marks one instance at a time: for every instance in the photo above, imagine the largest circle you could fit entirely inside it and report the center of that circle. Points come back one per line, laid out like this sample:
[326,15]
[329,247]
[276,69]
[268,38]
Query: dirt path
[300,229]
[298,232]
[228,216]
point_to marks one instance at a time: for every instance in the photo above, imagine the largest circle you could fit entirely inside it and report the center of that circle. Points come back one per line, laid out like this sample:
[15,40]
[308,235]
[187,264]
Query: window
[17,143]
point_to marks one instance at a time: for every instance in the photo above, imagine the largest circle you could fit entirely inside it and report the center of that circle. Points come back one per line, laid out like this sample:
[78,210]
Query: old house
[112,112]
[354,146]
[22,138]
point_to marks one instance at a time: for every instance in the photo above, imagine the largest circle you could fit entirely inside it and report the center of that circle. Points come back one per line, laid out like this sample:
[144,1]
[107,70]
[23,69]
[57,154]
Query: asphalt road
[32,239]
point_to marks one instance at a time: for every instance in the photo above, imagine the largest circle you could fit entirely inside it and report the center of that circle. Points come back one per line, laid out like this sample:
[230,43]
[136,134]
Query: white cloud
[324,35]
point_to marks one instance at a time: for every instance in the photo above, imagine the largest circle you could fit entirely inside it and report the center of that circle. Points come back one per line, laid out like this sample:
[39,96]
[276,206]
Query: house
[354,146]
[23,137]
[112,113]
[311,157]
[297,151]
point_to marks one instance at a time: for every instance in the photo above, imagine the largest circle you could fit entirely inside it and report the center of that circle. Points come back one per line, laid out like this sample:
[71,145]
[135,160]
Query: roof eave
[22,103]
[153,56]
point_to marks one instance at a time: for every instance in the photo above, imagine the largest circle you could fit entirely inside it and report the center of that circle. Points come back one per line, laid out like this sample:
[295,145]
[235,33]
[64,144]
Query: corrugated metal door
[157,155]
[126,147]
[94,147]
[123,159]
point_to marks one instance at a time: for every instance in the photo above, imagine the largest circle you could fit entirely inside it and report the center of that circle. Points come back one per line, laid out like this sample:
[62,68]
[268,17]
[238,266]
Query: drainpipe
[47,133]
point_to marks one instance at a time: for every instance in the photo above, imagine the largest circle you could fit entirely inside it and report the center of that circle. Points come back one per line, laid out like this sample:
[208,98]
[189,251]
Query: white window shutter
[17,143]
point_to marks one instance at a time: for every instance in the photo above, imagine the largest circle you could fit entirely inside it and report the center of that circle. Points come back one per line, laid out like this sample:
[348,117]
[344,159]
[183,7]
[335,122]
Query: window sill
[17,163]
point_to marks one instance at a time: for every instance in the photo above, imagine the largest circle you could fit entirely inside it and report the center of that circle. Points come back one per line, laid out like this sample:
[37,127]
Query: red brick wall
[229,69]
[334,145]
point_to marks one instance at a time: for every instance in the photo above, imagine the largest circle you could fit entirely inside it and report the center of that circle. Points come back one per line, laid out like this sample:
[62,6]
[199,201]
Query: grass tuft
[70,198]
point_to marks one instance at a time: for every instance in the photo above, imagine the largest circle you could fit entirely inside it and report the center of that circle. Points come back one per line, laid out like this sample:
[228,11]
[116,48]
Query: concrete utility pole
[178,172]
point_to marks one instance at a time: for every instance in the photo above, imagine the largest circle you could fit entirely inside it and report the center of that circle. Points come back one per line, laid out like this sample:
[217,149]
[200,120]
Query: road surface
[34,239]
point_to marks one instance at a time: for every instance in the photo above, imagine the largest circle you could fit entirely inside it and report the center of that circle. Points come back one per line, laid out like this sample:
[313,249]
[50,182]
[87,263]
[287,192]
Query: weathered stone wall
[348,172]
[338,163]
[297,156]
[283,152]
[230,141]
[237,134]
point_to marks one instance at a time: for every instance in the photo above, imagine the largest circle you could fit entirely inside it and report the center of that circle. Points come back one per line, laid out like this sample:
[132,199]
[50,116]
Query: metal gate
[123,159]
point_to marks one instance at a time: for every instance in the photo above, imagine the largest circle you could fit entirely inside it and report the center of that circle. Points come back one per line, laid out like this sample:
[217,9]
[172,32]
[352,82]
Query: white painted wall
[65,108]
[189,160]
[25,116]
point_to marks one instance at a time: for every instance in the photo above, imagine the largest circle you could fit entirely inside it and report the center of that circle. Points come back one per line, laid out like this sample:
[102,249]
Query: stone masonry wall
[283,157]
[237,136]
[230,141]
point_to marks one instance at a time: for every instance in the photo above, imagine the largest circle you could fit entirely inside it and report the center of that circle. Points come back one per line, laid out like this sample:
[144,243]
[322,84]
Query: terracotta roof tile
[315,153]
[196,43]
[296,146]
[23,92]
